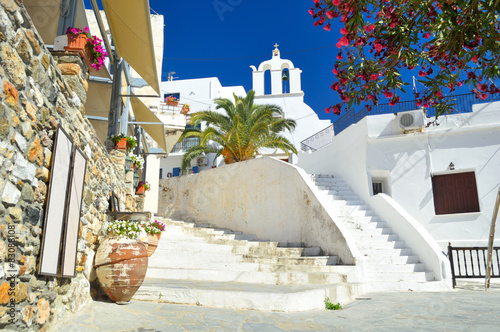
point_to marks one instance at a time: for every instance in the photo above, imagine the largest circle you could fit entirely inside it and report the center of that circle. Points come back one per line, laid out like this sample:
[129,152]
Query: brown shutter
[455,193]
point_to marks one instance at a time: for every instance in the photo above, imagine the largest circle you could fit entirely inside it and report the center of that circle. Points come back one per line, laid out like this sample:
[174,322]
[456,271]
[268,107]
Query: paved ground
[469,308]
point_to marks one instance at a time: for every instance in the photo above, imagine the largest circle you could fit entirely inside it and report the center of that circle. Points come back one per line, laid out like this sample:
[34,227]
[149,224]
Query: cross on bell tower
[276,52]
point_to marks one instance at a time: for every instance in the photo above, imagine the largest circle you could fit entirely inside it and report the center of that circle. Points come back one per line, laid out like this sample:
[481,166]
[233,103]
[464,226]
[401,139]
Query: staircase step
[317,261]
[260,277]
[287,298]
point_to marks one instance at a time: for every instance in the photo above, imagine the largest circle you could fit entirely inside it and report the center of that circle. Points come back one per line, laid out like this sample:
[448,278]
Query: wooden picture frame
[55,213]
[72,224]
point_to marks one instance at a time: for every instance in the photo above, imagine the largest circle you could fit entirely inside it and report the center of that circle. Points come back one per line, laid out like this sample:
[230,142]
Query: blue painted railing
[462,104]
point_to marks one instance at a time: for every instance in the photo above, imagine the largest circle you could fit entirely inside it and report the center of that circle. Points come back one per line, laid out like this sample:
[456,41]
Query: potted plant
[89,46]
[137,161]
[123,142]
[154,230]
[121,260]
[185,109]
[142,187]
[171,101]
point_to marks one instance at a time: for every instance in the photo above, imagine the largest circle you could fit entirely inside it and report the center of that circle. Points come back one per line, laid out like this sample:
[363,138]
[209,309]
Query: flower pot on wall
[172,103]
[121,265]
[79,44]
[153,243]
[76,44]
[141,190]
[121,144]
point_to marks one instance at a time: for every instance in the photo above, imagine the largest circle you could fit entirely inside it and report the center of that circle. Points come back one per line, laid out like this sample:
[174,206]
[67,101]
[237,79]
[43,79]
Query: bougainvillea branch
[448,43]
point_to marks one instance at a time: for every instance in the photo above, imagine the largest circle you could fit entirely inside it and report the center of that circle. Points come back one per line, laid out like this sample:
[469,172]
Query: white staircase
[197,264]
[389,265]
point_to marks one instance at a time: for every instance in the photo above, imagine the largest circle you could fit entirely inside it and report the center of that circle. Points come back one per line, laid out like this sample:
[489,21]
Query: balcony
[187,143]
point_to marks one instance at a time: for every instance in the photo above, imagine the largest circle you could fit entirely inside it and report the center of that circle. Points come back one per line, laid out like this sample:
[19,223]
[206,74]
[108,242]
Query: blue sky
[248,29]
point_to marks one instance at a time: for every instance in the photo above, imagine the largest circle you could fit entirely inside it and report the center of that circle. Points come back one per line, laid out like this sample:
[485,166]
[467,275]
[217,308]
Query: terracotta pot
[141,190]
[121,265]
[153,243]
[79,44]
[122,144]
[172,103]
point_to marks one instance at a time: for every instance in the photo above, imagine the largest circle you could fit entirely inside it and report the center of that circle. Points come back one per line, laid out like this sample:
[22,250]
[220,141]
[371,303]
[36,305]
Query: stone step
[276,278]
[400,277]
[360,236]
[351,225]
[372,245]
[377,253]
[248,296]
[394,268]
[317,261]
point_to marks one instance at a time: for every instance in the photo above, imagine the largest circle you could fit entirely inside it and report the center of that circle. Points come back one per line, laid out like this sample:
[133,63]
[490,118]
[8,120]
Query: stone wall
[36,95]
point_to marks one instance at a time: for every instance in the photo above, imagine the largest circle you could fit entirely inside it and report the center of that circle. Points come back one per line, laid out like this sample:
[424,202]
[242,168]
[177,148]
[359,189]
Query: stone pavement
[468,308]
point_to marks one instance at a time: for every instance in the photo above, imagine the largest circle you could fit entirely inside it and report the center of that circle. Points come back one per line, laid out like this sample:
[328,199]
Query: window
[161,173]
[455,193]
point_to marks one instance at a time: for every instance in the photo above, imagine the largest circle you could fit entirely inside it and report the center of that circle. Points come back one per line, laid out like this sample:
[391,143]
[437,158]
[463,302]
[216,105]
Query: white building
[445,176]
[200,94]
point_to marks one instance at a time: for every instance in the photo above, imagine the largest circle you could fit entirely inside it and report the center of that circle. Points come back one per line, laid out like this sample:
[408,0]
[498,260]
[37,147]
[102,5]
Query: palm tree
[241,132]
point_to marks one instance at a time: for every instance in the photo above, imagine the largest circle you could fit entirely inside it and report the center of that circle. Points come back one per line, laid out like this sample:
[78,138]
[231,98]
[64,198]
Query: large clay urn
[121,265]
[153,243]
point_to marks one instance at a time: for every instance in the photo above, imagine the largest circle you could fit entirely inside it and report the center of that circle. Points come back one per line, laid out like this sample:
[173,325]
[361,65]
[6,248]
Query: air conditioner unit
[412,120]
[202,161]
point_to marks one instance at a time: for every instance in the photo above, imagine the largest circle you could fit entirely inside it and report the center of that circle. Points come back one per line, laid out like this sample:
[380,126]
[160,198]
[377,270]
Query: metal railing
[462,104]
[185,144]
[318,140]
[470,262]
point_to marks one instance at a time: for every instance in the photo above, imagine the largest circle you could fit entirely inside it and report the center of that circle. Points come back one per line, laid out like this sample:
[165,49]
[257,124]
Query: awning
[143,114]
[130,25]
[45,16]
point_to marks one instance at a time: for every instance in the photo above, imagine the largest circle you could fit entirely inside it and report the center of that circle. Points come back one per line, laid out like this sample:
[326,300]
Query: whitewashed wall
[266,197]
[375,146]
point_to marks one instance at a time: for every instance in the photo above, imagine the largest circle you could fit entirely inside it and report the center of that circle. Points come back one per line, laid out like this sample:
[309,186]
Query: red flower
[484,96]
[459,83]
[327,27]
[327,110]
[336,3]
[474,58]
[426,35]
[378,47]
[344,31]
[335,71]
[343,41]
[373,77]
[329,14]
[439,94]
[369,28]
[388,94]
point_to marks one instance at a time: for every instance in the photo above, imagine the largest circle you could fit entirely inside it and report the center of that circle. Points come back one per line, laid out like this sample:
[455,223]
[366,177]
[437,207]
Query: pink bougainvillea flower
[327,110]
[327,27]
[344,31]
[475,58]
[459,84]
[484,96]
[422,73]
[335,2]
[373,77]
[378,47]
[339,56]
[439,94]
[426,35]
[329,14]
[335,71]
[388,94]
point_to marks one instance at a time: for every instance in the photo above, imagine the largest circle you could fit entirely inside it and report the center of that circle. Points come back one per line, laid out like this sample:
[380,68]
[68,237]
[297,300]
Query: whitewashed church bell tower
[280,69]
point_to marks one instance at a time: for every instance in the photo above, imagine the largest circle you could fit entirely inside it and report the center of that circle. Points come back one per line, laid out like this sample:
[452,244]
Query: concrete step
[259,277]
[394,268]
[317,261]
[400,277]
[376,245]
[287,298]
